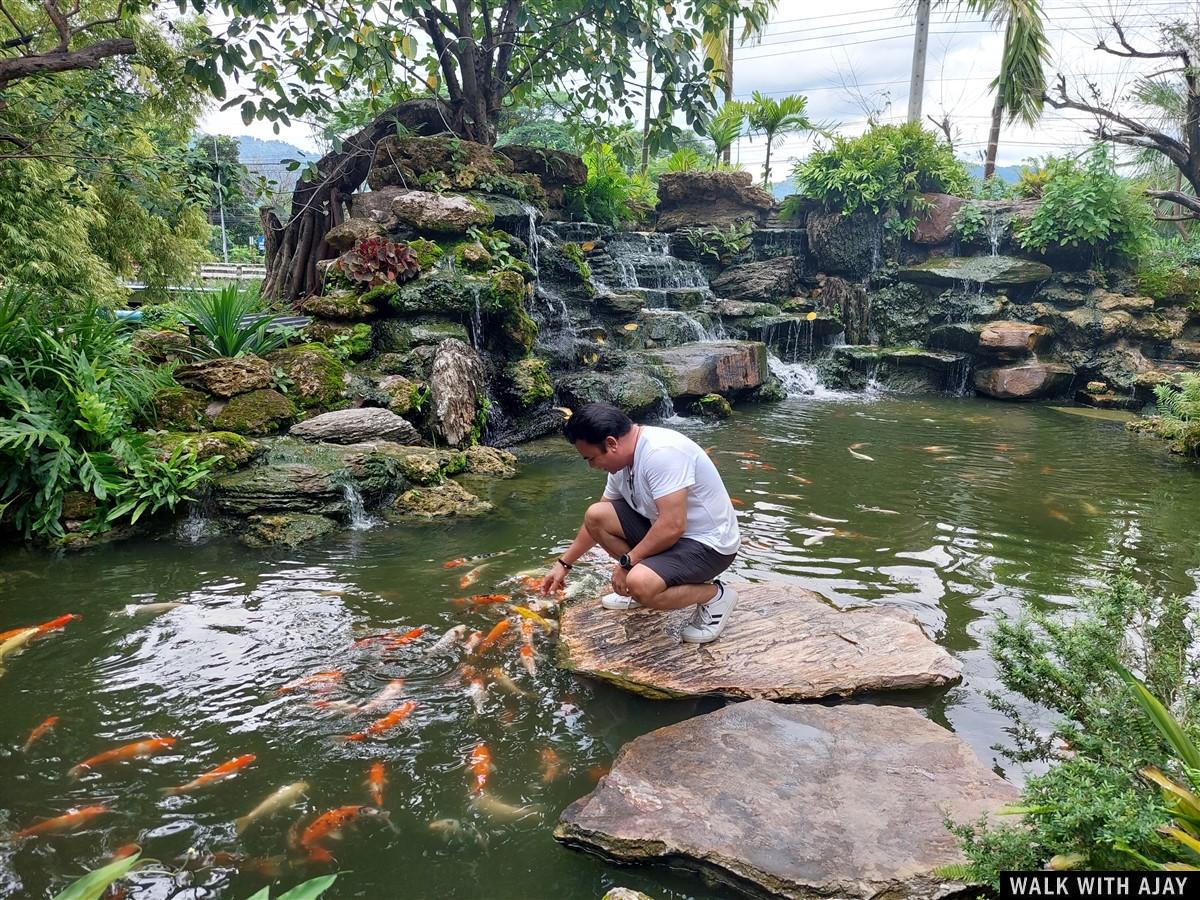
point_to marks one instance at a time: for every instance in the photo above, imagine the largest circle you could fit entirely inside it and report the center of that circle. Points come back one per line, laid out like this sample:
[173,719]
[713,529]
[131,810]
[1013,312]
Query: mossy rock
[78,505]
[406,161]
[393,336]
[713,406]
[529,381]
[439,501]
[338,305]
[180,409]
[425,465]
[284,529]
[428,253]
[258,412]
[235,451]
[472,256]
[400,393]
[440,293]
[379,295]
[506,305]
[318,376]
[490,461]
[353,340]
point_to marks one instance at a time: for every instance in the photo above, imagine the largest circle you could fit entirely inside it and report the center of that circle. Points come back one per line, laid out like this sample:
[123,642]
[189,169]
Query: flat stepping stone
[782,643]
[803,801]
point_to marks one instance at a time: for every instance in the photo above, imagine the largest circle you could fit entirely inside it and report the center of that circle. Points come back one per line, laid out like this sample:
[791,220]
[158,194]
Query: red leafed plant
[377,260]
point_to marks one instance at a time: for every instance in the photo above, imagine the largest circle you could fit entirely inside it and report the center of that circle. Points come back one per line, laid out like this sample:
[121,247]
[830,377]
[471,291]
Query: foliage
[94,885]
[1089,806]
[969,222]
[375,261]
[773,117]
[888,165]
[221,317]
[215,160]
[1033,178]
[685,159]
[611,195]
[1087,206]
[1178,408]
[993,188]
[714,245]
[70,390]
[725,127]
[1170,270]
[308,890]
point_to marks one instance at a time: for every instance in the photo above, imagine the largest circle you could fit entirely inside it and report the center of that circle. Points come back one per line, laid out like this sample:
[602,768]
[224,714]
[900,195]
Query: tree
[720,24]
[230,201]
[724,128]
[1178,49]
[773,117]
[1021,83]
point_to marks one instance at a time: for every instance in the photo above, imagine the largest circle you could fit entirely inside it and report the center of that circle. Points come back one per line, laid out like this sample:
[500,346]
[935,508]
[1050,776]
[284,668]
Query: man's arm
[557,576]
[667,529]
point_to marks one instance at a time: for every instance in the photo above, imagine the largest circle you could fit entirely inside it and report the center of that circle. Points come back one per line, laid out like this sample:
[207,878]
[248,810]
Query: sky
[853,58]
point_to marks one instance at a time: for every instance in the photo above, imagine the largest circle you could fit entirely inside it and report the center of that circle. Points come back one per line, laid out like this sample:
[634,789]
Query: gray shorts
[688,562]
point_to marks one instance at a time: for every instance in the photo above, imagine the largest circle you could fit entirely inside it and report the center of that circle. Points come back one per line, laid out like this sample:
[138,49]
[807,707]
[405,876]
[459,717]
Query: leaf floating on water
[631,326]
[587,246]
[811,316]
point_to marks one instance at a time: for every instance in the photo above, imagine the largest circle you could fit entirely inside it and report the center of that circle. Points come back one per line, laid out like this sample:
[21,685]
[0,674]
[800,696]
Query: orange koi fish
[471,577]
[136,750]
[454,563]
[375,782]
[390,692]
[485,599]
[745,454]
[531,616]
[318,681]
[124,851]
[387,723]
[737,501]
[56,624]
[597,772]
[1058,514]
[70,821]
[527,632]
[494,635]
[37,732]
[527,660]
[223,772]
[407,638]
[480,764]
[328,827]
[551,765]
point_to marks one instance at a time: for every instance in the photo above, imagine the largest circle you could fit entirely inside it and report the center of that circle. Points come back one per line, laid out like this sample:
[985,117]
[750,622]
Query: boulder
[1027,381]
[226,376]
[318,377]
[935,225]
[344,236]
[633,390]
[742,309]
[400,393]
[437,501]
[664,328]
[441,161]
[782,643]
[432,213]
[555,170]
[800,801]
[712,367]
[180,409]
[258,412]
[845,245]
[1106,301]
[393,336]
[375,207]
[490,461]
[456,383]
[1011,340]
[1185,350]
[356,426]
[517,218]
[993,271]
[769,279]
[713,406]
[284,529]
[344,305]
[235,451]
[529,382]
[161,345]
[688,199]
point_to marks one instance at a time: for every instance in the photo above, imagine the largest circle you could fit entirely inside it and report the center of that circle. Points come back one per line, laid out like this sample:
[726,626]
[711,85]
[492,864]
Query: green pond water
[964,510]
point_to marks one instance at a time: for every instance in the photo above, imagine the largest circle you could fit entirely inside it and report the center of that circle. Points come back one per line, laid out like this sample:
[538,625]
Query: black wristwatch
[625,562]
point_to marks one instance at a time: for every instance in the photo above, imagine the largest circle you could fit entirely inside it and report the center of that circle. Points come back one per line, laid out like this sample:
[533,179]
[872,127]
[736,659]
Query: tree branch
[1184,200]
[47,63]
[1131,52]
[61,25]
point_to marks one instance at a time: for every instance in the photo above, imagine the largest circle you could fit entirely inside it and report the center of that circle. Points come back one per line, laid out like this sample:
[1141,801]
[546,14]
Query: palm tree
[717,42]
[774,117]
[1022,80]
[724,128]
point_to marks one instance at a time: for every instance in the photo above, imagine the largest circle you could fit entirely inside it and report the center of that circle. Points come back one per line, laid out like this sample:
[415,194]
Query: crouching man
[665,518]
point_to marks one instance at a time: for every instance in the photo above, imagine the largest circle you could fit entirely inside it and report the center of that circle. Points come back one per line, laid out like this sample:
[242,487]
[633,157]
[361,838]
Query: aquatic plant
[230,322]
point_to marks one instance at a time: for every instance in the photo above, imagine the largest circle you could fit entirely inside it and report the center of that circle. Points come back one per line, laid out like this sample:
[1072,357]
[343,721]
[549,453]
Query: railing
[212,276]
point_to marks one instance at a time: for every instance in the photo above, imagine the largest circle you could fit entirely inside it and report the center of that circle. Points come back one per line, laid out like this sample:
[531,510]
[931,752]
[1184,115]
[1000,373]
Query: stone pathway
[801,801]
[783,643]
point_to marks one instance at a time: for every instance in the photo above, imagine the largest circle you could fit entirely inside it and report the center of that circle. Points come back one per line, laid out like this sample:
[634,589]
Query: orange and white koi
[318,681]
[527,660]
[56,624]
[391,639]
[16,643]
[454,563]
[473,641]
[527,632]
[39,730]
[480,765]
[136,750]
[447,640]
[344,707]
[486,599]
[386,695]
[328,827]
[223,772]
[375,782]
[493,636]
[498,809]
[387,723]
[551,765]
[69,821]
[737,501]
[472,576]
[283,797]
[499,677]
[800,478]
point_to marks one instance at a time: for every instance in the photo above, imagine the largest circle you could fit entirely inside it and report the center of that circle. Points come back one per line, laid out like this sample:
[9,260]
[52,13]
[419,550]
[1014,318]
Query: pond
[956,510]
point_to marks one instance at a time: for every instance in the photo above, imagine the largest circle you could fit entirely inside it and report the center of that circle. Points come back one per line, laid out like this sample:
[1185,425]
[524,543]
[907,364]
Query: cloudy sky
[852,58]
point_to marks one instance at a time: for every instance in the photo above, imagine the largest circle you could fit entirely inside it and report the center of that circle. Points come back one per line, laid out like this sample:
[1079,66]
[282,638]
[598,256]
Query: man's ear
[610,444]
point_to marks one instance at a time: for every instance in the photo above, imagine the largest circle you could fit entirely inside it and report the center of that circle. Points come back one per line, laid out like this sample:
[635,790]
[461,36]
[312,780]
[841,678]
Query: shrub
[374,261]
[969,222]
[1087,206]
[888,166]
[1171,271]
[1089,808]
[610,196]
[720,246]
[230,323]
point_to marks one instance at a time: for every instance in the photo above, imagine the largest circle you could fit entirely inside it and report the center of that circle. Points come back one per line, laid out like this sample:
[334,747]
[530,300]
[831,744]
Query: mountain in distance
[254,151]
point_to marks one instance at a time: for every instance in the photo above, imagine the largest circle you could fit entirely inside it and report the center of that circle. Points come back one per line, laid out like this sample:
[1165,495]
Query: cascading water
[995,231]
[200,520]
[356,510]
[642,261]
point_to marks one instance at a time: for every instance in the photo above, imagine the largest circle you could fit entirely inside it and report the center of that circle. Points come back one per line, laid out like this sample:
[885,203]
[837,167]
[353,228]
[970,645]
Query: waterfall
[477,324]
[995,231]
[531,212]
[200,521]
[356,510]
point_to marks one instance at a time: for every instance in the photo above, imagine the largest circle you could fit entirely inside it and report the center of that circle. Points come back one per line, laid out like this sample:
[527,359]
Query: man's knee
[645,585]
[599,517]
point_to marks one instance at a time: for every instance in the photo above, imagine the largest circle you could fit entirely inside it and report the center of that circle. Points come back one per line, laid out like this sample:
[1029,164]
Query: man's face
[601,456]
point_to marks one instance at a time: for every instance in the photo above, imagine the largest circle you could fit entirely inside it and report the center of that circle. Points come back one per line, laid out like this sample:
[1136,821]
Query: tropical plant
[685,159]
[773,117]
[1170,270]
[230,322]
[714,245]
[886,166]
[1178,408]
[611,195]
[308,890]
[376,260]
[719,27]
[724,128]
[1087,206]
[95,884]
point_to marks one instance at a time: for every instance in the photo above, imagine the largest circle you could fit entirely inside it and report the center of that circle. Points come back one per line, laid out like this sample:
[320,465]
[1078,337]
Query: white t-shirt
[666,461]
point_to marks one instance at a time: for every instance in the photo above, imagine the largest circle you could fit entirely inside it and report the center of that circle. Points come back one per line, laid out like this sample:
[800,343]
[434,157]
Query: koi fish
[56,624]
[125,851]
[532,583]
[876,509]
[473,641]
[767,467]
[328,827]
[817,538]
[531,616]
[819,518]
[1058,514]
[528,661]
[745,454]
[388,693]
[540,606]
[551,765]
[280,799]
[737,501]
[136,750]
[498,809]
[858,455]
[1046,470]
[859,445]
[16,643]
[318,681]
[493,636]
[936,449]
[149,609]
[486,599]
[448,640]
[454,563]
[407,638]
[480,764]
[450,829]
[597,772]
[223,772]
[499,677]
[1003,448]
[1090,508]
[375,782]
[69,821]
[38,731]
[471,577]
[799,478]
[387,723]
[527,632]
[345,707]
[477,691]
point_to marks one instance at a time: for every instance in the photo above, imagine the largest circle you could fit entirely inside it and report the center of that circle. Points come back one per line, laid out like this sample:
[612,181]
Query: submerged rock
[438,501]
[712,367]
[1028,381]
[687,199]
[993,271]
[226,376]
[355,426]
[782,643]
[802,801]
[456,388]
[284,529]
[713,406]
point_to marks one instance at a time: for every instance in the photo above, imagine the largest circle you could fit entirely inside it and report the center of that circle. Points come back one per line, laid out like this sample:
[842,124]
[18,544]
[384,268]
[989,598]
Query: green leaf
[93,885]
[1166,723]
[248,110]
[310,889]
[264,894]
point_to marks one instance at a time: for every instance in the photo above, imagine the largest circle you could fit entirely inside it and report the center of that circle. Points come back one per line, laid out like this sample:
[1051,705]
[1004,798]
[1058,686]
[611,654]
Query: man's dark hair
[593,422]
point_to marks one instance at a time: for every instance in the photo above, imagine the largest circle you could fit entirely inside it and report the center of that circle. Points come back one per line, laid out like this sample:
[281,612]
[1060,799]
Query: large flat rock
[802,801]
[712,367]
[782,643]
[993,271]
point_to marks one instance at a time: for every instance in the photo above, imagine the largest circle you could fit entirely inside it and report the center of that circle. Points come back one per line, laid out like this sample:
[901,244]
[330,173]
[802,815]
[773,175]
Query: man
[665,518]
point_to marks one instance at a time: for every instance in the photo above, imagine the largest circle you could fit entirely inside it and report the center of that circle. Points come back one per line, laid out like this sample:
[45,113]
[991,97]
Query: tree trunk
[729,73]
[993,145]
[646,112]
[767,164]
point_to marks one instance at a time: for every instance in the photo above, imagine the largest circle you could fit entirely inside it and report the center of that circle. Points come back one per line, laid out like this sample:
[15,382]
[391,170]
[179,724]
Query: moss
[506,304]
[339,305]
[529,380]
[258,412]
[318,377]
[456,464]
[379,295]
[472,256]
[180,409]
[428,253]
[714,406]
[284,529]
[439,501]
[233,449]
[441,293]
[574,253]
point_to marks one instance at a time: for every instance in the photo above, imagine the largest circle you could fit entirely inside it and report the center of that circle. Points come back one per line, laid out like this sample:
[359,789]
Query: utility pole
[916,88]
[221,199]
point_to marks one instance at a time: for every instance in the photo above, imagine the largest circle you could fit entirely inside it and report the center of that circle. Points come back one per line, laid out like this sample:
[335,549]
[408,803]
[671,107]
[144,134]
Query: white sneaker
[616,601]
[710,619]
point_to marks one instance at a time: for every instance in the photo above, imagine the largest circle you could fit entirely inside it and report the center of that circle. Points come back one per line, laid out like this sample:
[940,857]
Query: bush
[1087,206]
[1090,808]
[888,166]
[611,196]
[70,390]
[223,321]
[1171,271]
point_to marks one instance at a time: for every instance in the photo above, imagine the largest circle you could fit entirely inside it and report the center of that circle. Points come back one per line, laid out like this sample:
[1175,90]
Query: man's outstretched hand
[555,580]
